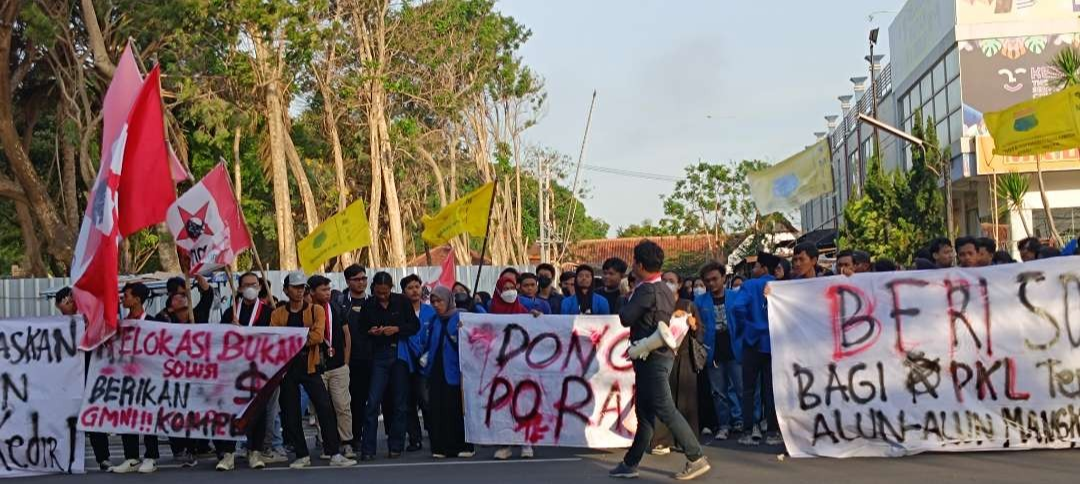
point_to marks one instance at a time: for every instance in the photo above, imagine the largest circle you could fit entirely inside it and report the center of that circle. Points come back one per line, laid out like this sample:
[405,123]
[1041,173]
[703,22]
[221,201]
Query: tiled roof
[595,251]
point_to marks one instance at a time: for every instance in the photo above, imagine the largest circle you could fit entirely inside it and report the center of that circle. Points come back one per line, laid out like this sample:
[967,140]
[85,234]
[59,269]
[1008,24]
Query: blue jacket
[412,350]
[751,314]
[707,312]
[599,305]
[735,331]
[535,304]
[451,366]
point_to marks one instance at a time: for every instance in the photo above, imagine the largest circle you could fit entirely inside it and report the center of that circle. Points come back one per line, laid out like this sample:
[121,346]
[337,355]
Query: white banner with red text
[41,383]
[183,380]
[553,380]
[892,364]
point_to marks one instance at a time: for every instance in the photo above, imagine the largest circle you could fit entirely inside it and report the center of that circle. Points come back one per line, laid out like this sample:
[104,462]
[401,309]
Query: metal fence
[26,297]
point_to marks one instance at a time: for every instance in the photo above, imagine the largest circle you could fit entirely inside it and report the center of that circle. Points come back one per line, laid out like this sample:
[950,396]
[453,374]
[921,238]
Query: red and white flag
[133,188]
[94,269]
[448,275]
[206,223]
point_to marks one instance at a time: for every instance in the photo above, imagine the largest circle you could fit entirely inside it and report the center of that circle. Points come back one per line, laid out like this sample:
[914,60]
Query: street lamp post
[873,86]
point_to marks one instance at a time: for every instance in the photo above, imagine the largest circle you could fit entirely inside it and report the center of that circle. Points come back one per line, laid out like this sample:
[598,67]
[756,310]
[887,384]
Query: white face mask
[509,296]
[698,291]
[250,293]
[672,286]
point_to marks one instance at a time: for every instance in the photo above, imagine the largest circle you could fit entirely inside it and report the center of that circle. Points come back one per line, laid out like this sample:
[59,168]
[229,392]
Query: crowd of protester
[390,348]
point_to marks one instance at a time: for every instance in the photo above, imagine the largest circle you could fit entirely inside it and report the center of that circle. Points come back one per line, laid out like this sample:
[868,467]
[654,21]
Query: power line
[632,173]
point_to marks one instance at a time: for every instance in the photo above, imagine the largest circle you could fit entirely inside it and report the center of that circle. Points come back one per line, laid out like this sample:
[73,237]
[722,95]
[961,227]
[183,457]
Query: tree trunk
[166,249]
[35,265]
[280,176]
[1046,204]
[330,122]
[97,42]
[238,178]
[59,238]
[307,196]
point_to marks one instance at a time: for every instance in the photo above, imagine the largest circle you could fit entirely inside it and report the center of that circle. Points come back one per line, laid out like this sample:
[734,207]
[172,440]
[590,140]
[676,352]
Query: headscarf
[443,293]
[498,306]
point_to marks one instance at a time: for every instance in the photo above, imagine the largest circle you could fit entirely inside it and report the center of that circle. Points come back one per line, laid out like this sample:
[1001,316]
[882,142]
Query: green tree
[645,228]
[899,211]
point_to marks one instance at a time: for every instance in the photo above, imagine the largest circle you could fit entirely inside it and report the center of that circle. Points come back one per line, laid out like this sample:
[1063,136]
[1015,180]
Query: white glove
[423,360]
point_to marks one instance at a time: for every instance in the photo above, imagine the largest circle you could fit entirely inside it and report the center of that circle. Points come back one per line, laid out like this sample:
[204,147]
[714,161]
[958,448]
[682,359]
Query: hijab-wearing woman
[506,302]
[440,366]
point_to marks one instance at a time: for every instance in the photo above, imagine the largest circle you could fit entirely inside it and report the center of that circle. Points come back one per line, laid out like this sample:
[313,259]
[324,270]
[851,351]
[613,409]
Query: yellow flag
[468,214]
[793,182]
[346,231]
[1038,126]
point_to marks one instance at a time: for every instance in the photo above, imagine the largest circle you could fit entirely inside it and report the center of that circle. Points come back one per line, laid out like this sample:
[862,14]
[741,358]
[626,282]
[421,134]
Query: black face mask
[544,281]
[461,300]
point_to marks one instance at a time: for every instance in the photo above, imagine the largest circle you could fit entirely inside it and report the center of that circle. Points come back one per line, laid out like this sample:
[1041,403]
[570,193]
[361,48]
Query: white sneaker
[148,465]
[774,439]
[752,439]
[274,456]
[226,463]
[706,431]
[300,463]
[127,466]
[466,454]
[347,450]
[660,450]
[722,434]
[324,456]
[340,460]
[504,453]
[438,456]
[527,452]
[255,460]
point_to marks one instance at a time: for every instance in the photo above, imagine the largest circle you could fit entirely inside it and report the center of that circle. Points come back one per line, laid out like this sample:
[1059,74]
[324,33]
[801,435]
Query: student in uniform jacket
[416,401]
[441,368]
[584,301]
[749,309]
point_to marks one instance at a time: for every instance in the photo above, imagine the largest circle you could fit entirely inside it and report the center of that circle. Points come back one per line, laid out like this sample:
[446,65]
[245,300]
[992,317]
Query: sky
[679,81]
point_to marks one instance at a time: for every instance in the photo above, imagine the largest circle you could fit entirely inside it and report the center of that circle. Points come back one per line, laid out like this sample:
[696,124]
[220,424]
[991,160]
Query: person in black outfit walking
[650,304]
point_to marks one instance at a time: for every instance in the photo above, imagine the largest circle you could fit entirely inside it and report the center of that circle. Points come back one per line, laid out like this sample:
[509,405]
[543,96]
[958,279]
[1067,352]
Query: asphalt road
[730,463]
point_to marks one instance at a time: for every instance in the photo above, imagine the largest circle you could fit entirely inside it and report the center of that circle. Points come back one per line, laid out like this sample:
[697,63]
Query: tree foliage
[898,212]
[311,104]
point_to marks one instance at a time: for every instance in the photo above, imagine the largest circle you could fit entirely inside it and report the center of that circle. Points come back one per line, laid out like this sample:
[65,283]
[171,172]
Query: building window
[927,88]
[939,75]
[1067,220]
[952,64]
[941,107]
[954,95]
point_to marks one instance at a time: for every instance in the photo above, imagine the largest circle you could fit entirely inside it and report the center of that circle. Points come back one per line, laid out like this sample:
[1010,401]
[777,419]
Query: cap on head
[296,278]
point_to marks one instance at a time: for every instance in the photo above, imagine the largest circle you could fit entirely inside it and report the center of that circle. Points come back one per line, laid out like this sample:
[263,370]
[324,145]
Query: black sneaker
[694,469]
[414,447]
[393,454]
[623,471]
[367,457]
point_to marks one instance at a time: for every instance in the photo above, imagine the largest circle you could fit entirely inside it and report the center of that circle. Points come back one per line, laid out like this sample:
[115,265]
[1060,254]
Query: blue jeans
[725,380]
[387,373]
[652,377]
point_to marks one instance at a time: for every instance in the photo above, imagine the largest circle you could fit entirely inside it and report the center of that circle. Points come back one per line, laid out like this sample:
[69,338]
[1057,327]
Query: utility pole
[577,179]
[873,87]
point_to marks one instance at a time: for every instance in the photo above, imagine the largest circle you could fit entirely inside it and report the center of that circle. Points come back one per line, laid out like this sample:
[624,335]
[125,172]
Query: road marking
[429,463]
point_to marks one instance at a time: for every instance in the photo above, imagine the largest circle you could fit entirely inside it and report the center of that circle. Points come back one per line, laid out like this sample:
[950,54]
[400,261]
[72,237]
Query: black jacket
[650,304]
[398,313]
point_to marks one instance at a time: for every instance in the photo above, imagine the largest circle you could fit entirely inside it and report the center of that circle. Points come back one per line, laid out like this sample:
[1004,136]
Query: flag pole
[232,287]
[487,232]
[427,253]
[254,249]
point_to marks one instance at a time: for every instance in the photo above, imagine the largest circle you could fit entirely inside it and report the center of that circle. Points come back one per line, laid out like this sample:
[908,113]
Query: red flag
[94,267]
[448,275]
[206,223]
[146,190]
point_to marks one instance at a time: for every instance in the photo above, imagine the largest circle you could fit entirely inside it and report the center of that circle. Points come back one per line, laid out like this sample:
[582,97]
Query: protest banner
[41,384]
[183,380]
[891,364]
[553,380]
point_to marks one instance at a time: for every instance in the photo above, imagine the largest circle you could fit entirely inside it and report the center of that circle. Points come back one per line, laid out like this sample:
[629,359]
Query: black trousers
[415,403]
[359,385]
[131,446]
[757,369]
[295,377]
[654,401]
